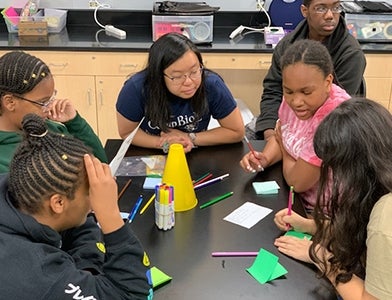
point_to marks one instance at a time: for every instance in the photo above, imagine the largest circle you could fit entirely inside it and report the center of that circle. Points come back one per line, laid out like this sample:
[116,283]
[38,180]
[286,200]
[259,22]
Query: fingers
[251,163]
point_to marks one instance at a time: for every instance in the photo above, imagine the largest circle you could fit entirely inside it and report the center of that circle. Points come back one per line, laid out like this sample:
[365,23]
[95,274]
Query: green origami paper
[266,267]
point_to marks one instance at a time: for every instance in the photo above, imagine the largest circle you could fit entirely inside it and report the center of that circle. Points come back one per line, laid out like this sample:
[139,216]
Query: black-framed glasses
[44,104]
[179,80]
[324,9]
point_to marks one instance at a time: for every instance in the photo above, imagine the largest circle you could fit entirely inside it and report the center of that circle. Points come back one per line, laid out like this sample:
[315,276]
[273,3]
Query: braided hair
[44,164]
[20,73]
[308,52]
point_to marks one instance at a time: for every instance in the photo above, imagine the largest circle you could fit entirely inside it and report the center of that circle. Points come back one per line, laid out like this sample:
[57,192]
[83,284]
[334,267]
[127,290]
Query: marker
[236,254]
[211,181]
[217,199]
[135,209]
[147,204]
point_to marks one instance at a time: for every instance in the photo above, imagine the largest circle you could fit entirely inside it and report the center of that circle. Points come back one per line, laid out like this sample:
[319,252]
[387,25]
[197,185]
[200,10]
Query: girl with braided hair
[54,182]
[27,86]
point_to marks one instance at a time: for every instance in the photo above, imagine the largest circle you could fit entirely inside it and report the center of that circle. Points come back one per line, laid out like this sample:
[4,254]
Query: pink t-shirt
[297,135]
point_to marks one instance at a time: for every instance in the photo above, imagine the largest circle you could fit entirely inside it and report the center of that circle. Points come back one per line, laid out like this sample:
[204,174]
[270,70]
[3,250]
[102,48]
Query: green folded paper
[266,267]
[158,277]
[297,234]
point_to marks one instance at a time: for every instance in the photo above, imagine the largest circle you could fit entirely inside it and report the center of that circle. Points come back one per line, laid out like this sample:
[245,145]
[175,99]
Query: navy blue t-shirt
[131,104]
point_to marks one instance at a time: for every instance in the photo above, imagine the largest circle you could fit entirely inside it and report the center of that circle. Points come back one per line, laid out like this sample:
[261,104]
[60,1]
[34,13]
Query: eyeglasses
[324,9]
[179,80]
[44,104]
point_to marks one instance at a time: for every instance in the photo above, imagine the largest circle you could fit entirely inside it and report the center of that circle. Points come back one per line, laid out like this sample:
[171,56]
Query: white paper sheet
[116,161]
[248,214]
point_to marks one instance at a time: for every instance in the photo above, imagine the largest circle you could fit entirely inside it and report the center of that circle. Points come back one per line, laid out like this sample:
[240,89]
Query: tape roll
[388,31]
[201,31]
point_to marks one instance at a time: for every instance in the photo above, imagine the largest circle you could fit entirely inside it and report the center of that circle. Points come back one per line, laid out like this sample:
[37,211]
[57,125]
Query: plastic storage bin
[55,18]
[199,29]
[370,27]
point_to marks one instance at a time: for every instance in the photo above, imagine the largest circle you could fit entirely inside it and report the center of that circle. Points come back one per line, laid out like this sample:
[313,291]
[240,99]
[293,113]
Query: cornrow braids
[20,72]
[44,164]
[308,52]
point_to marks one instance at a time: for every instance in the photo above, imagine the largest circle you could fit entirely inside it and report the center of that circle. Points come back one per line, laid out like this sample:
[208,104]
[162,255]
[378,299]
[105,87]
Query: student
[308,96]
[323,22]
[54,182]
[177,96]
[355,143]
[27,86]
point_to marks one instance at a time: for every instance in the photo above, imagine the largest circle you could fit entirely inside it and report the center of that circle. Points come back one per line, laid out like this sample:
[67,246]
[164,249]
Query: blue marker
[134,210]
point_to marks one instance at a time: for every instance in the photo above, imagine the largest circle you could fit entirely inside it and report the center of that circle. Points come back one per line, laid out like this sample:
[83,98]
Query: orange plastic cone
[176,173]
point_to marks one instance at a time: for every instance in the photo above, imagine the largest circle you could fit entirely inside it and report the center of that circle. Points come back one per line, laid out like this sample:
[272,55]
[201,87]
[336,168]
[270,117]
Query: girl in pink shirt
[308,96]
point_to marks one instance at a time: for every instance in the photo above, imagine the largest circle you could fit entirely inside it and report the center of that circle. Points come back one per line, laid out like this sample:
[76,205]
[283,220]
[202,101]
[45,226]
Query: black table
[184,252]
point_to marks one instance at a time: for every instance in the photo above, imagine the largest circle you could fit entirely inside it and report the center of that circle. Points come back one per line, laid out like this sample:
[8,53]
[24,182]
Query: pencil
[290,204]
[200,178]
[249,146]
[217,199]
[124,188]
[251,149]
[147,204]
[211,181]
[205,178]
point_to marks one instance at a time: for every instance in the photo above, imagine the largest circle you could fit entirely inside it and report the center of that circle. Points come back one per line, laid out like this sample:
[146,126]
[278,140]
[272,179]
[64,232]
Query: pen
[215,200]
[135,208]
[147,204]
[238,254]
[124,188]
[211,181]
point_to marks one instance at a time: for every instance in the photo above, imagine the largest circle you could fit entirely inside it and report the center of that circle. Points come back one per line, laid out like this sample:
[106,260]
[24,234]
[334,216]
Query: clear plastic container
[55,18]
[367,27]
[199,29]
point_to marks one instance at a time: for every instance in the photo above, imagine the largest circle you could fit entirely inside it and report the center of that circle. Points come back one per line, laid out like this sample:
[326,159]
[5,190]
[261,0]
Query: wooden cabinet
[378,77]
[243,73]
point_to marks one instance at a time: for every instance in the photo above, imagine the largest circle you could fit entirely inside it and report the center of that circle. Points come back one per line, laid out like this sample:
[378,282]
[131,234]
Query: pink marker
[235,254]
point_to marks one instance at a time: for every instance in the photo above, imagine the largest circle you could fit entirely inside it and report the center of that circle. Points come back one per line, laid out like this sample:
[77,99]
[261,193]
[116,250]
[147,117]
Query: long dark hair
[164,52]
[355,143]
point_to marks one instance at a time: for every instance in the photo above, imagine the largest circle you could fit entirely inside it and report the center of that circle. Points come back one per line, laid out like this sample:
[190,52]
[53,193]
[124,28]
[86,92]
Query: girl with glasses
[177,96]
[27,86]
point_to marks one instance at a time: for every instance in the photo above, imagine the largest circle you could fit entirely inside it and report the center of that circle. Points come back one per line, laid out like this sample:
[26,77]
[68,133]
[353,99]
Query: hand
[253,162]
[294,247]
[294,221]
[61,110]
[103,194]
[174,136]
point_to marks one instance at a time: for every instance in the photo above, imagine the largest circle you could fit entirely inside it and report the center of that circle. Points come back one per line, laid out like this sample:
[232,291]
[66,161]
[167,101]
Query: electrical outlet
[259,4]
[92,3]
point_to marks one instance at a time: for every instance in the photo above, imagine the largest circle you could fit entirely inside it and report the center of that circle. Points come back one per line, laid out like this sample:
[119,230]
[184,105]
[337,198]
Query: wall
[225,5]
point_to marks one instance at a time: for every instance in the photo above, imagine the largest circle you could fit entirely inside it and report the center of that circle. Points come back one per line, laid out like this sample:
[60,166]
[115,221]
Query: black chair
[362,89]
